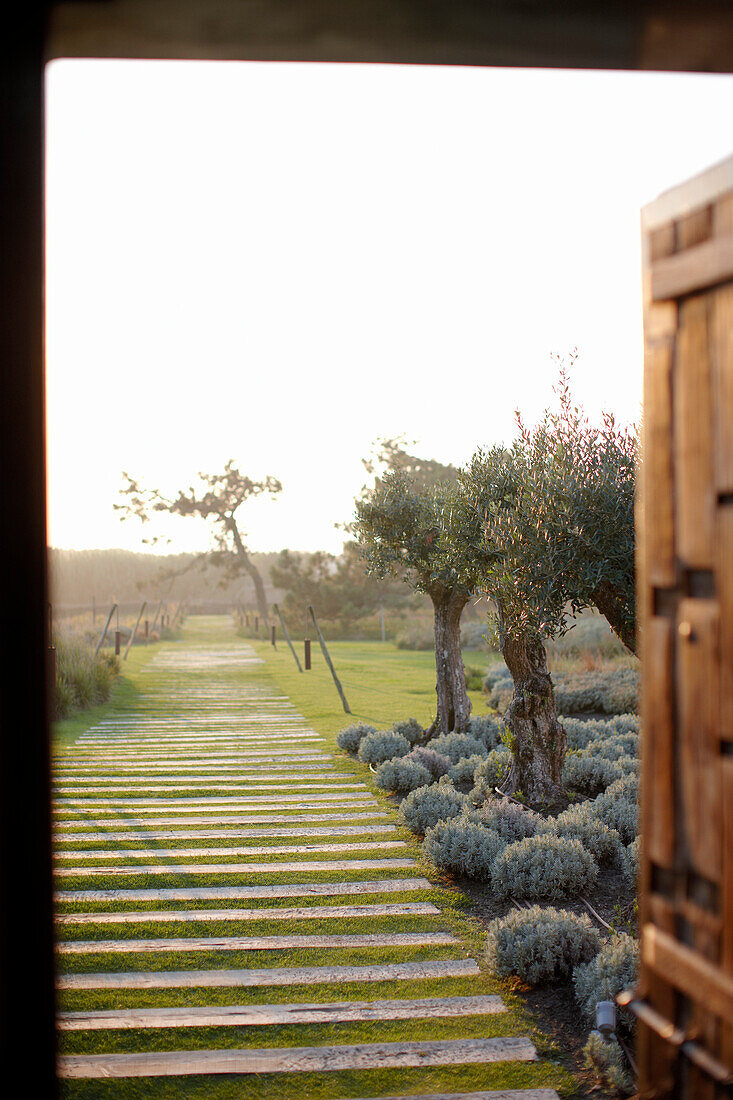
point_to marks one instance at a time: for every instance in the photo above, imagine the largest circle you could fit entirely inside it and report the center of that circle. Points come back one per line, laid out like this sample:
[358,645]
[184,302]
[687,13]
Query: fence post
[134,632]
[118,638]
[307,653]
[106,628]
[329,662]
[273,635]
[286,635]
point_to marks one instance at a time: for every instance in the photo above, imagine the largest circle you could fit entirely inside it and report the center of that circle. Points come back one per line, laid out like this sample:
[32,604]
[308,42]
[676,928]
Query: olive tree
[217,498]
[492,486]
[558,515]
[426,535]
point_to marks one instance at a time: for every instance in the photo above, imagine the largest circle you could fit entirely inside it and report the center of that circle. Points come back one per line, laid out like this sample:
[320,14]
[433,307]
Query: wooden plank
[310,912]
[693,270]
[72,791]
[501,1094]
[340,1012]
[231,768]
[273,868]
[231,819]
[721,334]
[726,946]
[693,439]
[699,827]
[220,834]
[254,943]
[657,773]
[659,557]
[272,850]
[216,800]
[448,1052]
[275,976]
[291,890]
[694,228]
[686,970]
[662,242]
[706,187]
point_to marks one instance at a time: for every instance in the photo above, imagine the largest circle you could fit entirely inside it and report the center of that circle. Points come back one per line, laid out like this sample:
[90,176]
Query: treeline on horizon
[79,578]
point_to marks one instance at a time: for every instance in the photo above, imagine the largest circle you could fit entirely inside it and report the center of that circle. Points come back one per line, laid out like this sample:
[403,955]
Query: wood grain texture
[293,890]
[658,755]
[182,853]
[273,868]
[253,943]
[220,834]
[699,979]
[276,976]
[152,805]
[659,558]
[304,912]
[347,814]
[427,1008]
[721,336]
[695,499]
[451,1052]
[694,270]
[699,828]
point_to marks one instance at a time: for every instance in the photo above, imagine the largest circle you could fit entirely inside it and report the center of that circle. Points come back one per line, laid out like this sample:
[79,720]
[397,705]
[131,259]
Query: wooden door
[685,563]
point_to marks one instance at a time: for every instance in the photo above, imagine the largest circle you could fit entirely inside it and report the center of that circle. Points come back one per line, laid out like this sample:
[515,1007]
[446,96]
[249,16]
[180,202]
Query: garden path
[181,953]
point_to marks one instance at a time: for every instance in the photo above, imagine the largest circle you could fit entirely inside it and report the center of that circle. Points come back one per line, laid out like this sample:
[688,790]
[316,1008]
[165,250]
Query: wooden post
[286,636]
[146,625]
[329,662]
[118,638]
[273,636]
[307,654]
[257,624]
[132,636]
[103,635]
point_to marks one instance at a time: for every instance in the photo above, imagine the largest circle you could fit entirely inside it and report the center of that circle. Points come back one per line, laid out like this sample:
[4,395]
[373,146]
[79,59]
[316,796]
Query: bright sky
[278,263]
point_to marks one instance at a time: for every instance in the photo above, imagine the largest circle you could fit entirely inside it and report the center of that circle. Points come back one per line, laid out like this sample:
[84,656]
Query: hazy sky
[278,263]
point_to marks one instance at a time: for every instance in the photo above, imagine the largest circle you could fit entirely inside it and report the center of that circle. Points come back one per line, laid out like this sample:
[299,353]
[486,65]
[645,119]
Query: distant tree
[217,498]
[392,456]
[338,586]
[426,536]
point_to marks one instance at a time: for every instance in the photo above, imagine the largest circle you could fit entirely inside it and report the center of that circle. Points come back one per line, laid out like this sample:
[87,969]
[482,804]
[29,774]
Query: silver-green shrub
[411,729]
[544,866]
[383,745]
[604,844]
[426,806]
[581,731]
[605,1059]
[437,764]
[626,723]
[510,820]
[613,969]
[488,728]
[626,787]
[351,736]
[614,747]
[489,774]
[457,745]
[463,848]
[402,774]
[631,860]
[540,944]
[588,774]
[620,814]
[461,774]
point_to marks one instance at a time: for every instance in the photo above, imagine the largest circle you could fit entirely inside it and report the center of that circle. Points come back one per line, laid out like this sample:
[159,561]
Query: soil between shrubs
[553,1006]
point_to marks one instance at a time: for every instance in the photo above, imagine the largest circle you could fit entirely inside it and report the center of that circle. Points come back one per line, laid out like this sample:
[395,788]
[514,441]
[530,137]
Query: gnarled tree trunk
[454,706]
[538,741]
[614,606]
[249,567]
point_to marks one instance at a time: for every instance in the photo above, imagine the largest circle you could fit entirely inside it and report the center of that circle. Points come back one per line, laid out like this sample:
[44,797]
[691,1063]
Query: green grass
[383,684]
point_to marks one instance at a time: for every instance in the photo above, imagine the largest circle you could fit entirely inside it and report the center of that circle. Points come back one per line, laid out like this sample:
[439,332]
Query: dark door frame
[695,35]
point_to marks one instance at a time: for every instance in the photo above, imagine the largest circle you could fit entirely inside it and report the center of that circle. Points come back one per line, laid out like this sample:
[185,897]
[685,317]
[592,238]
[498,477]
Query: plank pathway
[209,743]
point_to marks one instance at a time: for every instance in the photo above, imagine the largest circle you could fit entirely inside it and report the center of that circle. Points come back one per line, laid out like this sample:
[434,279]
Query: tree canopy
[217,498]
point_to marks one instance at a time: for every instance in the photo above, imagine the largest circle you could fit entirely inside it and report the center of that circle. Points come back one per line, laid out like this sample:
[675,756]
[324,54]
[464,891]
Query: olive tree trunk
[454,706]
[250,568]
[614,604]
[538,741]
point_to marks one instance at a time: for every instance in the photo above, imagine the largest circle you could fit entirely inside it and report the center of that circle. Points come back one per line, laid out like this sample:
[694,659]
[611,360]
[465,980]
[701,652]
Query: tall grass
[82,680]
